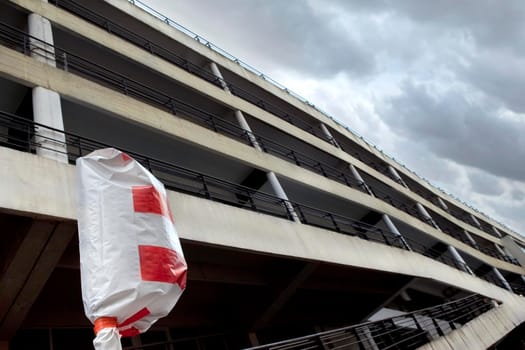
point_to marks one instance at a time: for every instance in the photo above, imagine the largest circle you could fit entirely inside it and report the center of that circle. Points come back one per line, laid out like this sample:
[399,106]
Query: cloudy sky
[435,84]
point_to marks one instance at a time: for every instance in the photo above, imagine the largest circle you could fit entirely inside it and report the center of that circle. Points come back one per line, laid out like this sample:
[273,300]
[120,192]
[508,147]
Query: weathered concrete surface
[54,195]
[485,330]
[214,223]
[30,72]
[514,249]
[112,42]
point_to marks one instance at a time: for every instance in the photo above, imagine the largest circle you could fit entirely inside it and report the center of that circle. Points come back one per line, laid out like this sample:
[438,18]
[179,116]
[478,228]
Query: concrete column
[279,191]
[475,221]
[329,135]
[426,216]
[442,203]
[215,70]
[47,109]
[42,49]
[360,180]
[241,120]
[496,231]
[396,175]
[471,239]
[500,250]
[364,186]
[392,228]
[455,254]
[502,279]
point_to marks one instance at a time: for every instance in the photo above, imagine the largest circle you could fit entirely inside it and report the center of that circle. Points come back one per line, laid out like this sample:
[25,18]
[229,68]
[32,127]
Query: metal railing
[67,61]
[181,62]
[407,331]
[27,136]
[254,99]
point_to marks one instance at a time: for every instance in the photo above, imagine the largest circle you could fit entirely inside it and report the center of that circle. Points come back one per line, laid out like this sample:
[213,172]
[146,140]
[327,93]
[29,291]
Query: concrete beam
[284,295]
[44,259]
[22,263]
[388,300]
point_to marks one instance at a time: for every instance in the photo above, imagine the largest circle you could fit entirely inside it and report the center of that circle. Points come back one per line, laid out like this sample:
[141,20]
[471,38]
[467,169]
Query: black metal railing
[179,61]
[25,135]
[26,44]
[174,58]
[407,331]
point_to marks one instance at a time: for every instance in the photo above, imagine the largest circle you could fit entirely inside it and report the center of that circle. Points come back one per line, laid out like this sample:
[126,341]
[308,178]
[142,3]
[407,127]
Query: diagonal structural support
[442,203]
[29,271]
[284,295]
[400,292]
[23,261]
[396,176]
[459,259]
[502,279]
[426,216]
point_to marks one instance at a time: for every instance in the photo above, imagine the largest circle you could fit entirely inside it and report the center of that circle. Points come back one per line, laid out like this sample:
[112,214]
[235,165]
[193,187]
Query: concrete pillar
[475,221]
[42,49]
[500,250]
[471,239]
[241,120]
[215,70]
[455,254]
[396,175]
[442,203]
[279,191]
[426,216]
[47,109]
[496,231]
[360,180]
[329,135]
[502,279]
[392,228]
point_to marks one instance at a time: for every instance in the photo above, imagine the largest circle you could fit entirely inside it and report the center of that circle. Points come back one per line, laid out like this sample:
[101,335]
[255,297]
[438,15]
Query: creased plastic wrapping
[132,265]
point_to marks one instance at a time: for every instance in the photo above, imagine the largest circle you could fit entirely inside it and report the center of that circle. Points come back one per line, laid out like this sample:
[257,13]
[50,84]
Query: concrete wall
[483,331]
[30,72]
[110,41]
[202,220]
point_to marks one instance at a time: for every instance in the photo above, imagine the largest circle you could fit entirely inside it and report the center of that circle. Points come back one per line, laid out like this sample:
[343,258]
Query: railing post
[436,325]
[250,198]
[301,214]
[322,169]
[205,187]
[295,158]
[334,222]
[64,58]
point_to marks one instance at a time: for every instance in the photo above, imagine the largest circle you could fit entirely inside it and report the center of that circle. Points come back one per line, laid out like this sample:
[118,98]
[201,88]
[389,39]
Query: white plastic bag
[131,262]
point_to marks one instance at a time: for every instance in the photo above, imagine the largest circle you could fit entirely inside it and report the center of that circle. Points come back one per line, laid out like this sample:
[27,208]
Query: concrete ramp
[483,331]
